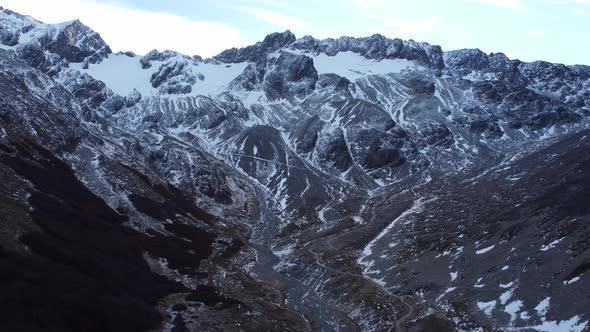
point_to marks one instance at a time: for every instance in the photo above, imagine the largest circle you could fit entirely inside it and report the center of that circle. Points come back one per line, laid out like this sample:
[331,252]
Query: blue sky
[553,30]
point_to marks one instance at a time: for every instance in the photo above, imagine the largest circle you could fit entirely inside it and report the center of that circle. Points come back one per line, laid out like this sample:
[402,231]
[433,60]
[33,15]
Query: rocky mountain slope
[296,184]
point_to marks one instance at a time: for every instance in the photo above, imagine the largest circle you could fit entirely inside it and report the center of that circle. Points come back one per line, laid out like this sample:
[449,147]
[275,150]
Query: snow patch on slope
[487,307]
[122,73]
[484,250]
[574,324]
[363,260]
[353,66]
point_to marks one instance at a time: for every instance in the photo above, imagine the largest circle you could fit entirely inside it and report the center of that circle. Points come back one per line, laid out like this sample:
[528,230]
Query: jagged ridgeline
[344,184]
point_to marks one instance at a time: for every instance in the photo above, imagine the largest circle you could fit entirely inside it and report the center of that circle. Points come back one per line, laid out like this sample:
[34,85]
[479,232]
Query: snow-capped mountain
[295,184]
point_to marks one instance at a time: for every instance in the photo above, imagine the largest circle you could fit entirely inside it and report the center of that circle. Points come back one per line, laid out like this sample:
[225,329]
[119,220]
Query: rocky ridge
[352,183]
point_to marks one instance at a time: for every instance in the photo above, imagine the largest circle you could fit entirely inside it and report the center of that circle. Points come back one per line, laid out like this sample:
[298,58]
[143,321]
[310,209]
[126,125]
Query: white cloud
[277,19]
[583,2]
[540,33]
[422,25]
[513,4]
[136,30]
[372,4]
[282,6]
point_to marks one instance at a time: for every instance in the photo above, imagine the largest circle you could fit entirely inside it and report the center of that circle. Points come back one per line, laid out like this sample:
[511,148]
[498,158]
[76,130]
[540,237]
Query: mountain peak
[281,39]
[271,43]
[38,42]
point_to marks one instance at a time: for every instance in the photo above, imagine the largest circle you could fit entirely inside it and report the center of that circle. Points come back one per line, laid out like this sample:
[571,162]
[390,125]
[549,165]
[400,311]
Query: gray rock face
[133,98]
[154,55]
[173,78]
[419,86]
[56,46]
[85,88]
[284,77]
[337,83]
[470,59]
[13,25]
[376,47]
[290,76]
[273,42]
[486,128]
[437,135]
[298,186]
[251,78]
[333,150]
[9,38]
[557,117]
[77,42]
[306,134]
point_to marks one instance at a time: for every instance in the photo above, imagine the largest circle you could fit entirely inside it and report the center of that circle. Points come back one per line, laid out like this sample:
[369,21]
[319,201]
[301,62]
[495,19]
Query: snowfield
[123,74]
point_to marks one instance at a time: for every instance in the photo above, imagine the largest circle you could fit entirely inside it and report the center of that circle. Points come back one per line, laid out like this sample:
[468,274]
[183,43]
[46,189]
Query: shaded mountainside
[296,184]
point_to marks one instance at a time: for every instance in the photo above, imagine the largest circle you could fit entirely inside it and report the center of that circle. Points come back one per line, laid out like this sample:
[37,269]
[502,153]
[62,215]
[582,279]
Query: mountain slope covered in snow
[295,184]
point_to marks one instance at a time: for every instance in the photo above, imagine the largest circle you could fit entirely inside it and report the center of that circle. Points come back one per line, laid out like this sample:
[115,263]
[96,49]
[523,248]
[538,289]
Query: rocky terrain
[350,184]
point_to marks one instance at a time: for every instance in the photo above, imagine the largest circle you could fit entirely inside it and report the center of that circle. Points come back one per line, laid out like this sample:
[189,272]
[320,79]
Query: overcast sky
[553,30]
